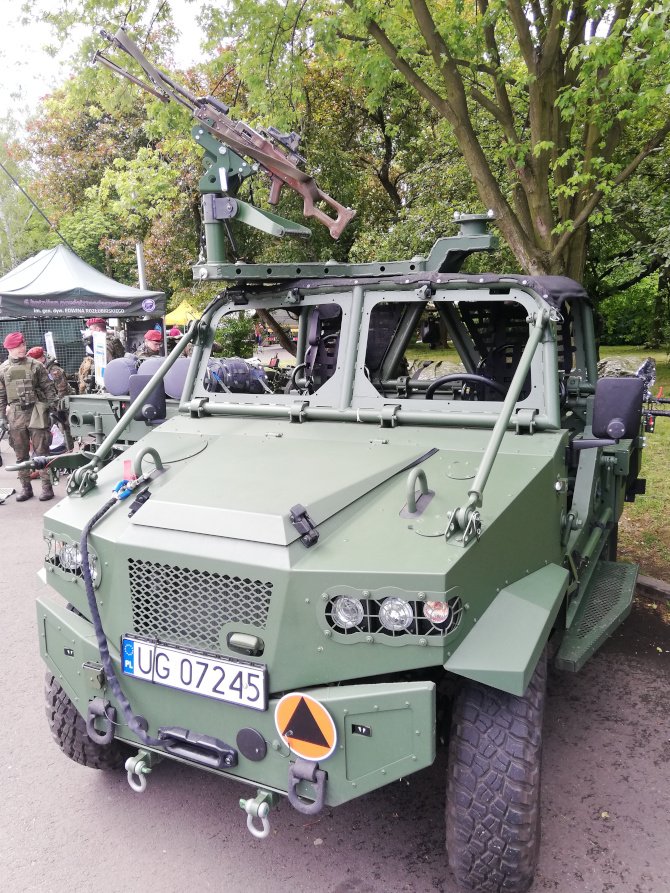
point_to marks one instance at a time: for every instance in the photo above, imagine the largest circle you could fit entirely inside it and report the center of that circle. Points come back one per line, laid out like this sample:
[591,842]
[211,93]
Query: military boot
[26,492]
[47,491]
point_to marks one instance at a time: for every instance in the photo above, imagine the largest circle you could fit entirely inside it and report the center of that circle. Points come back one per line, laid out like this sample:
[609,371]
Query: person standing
[63,390]
[151,346]
[27,398]
[115,350]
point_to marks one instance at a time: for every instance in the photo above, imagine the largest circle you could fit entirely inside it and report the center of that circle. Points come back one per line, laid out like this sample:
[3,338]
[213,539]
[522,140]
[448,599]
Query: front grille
[186,606]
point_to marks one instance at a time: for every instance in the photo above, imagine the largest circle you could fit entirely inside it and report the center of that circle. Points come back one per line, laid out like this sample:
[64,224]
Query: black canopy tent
[56,283]
[55,290]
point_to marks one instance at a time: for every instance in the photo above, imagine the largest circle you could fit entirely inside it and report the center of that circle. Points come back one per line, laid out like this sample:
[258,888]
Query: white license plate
[232,681]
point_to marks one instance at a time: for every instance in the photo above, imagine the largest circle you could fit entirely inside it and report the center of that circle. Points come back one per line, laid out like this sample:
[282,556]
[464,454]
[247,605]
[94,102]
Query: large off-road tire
[68,728]
[493,792]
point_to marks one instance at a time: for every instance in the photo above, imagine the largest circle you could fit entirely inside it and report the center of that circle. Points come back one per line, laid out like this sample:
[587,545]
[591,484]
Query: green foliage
[235,335]
[23,231]
[627,316]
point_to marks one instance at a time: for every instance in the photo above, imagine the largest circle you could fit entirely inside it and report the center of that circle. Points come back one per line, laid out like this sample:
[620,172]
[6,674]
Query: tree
[22,229]
[542,98]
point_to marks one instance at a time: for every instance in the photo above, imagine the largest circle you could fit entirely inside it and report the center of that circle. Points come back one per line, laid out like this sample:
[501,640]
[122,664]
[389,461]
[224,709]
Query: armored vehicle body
[305,588]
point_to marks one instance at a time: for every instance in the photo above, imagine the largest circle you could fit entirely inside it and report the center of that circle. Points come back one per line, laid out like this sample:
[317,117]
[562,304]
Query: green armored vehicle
[304,588]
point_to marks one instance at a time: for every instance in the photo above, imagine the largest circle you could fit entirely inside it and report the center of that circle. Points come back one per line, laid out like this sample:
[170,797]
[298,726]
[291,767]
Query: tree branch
[505,122]
[411,76]
[523,34]
[589,207]
[655,264]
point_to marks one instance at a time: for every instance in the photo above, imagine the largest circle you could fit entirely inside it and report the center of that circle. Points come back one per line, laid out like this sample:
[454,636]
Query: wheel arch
[505,644]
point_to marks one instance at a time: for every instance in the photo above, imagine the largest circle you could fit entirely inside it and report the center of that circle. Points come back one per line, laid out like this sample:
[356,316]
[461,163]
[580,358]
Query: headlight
[395,614]
[347,612]
[437,612]
[68,558]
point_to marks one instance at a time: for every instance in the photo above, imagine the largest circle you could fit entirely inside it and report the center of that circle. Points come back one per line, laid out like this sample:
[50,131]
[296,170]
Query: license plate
[232,681]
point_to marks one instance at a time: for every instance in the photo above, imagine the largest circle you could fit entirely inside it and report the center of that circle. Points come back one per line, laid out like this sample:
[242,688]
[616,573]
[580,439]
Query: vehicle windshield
[456,350]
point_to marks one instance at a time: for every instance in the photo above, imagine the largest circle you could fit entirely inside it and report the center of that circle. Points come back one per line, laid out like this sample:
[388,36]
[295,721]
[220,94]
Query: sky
[29,73]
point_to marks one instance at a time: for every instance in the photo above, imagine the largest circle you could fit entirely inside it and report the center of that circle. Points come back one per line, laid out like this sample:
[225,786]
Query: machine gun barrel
[262,147]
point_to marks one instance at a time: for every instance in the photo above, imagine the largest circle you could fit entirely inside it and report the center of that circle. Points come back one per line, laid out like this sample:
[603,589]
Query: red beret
[14,339]
[96,321]
[153,335]
[36,352]
[174,332]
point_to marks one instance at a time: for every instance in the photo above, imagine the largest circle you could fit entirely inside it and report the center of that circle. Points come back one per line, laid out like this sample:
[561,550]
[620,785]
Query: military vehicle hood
[244,486]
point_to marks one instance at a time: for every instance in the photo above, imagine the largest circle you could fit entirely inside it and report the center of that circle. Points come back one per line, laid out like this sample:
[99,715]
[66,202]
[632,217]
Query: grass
[644,529]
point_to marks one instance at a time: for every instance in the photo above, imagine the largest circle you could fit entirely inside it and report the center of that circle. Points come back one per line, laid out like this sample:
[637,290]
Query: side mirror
[617,412]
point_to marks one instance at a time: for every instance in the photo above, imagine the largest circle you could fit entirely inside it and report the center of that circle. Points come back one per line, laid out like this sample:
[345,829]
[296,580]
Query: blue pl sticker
[128,656]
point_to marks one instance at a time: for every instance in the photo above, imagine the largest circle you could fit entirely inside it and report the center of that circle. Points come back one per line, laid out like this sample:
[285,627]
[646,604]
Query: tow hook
[100,709]
[304,770]
[259,808]
[138,767]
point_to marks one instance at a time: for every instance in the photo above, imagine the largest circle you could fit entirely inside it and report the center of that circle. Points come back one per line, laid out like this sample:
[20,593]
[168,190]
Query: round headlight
[347,612]
[395,614]
[69,557]
[436,612]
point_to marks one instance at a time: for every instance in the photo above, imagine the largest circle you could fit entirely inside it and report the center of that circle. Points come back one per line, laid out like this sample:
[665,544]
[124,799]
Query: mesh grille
[186,606]
[66,333]
[605,595]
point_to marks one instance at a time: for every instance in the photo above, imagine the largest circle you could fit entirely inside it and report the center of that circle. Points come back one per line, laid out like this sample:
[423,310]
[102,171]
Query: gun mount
[271,151]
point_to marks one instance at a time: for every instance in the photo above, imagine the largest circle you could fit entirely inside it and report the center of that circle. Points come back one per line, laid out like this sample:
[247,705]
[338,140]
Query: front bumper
[384,731]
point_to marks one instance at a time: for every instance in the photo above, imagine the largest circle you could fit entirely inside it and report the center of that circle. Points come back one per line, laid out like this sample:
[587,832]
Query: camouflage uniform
[115,350]
[63,389]
[27,396]
[144,354]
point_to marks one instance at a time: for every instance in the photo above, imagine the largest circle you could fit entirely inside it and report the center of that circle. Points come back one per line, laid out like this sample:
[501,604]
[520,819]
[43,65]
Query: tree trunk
[271,323]
[658,328]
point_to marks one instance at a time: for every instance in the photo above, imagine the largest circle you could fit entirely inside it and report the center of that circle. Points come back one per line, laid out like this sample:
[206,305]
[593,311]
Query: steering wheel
[464,376]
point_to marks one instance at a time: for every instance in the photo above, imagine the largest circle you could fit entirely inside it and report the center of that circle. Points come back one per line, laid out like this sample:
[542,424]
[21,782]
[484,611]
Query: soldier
[151,346]
[173,337]
[115,349]
[63,390]
[27,397]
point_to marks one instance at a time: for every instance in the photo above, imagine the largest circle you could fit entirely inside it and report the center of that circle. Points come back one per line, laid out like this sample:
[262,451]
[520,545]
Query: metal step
[605,604]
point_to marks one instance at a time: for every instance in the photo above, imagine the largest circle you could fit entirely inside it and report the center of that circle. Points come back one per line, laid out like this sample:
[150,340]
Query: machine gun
[271,151]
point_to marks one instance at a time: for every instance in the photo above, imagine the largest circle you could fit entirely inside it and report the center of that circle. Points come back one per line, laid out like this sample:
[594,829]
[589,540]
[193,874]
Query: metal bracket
[217,207]
[467,520]
[402,387]
[296,411]
[388,417]
[425,292]
[98,708]
[197,407]
[304,525]
[524,420]
[303,770]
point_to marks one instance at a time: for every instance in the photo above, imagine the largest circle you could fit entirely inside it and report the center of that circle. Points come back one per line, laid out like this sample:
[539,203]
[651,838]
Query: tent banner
[70,306]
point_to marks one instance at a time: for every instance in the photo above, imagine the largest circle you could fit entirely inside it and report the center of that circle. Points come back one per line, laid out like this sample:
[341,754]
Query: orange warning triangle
[305,726]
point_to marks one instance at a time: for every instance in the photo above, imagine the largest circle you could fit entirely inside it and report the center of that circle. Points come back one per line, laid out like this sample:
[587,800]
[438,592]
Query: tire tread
[493,793]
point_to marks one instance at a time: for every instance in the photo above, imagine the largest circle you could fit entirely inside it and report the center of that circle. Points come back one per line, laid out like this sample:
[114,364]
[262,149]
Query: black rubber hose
[134,723]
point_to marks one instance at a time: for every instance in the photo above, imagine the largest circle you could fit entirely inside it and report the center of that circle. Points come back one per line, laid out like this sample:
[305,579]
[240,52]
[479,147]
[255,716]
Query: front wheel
[68,728]
[493,791]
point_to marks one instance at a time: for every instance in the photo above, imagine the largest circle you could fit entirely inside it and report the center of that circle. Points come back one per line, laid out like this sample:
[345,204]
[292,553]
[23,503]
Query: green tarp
[55,283]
